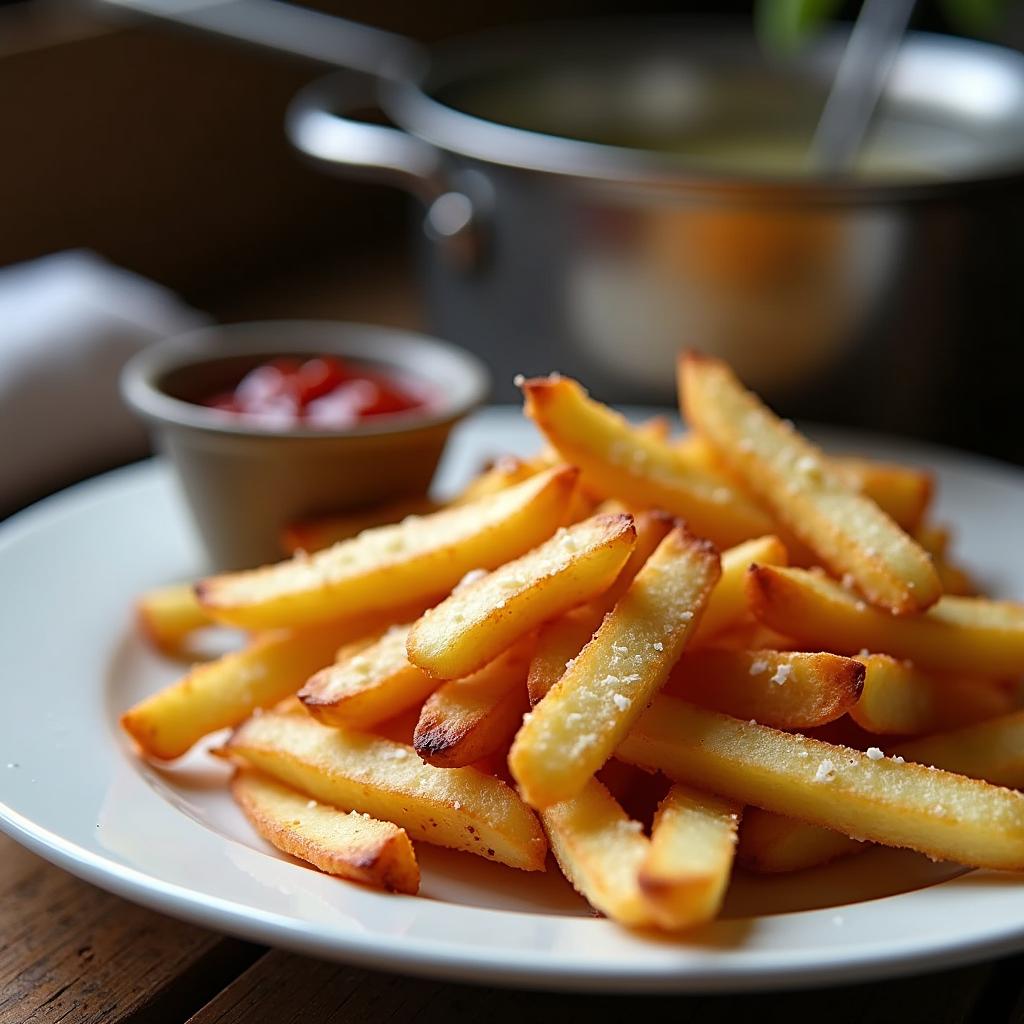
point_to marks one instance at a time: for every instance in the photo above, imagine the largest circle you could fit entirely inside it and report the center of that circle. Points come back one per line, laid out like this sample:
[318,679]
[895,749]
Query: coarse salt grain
[621,702]
[619,649]
[686,616]
[759,665]
[658,645]
[782,673]
[898,759]
[457,805]
[471,577]
[518,380]
[874,753]
[311,804]
[826,771]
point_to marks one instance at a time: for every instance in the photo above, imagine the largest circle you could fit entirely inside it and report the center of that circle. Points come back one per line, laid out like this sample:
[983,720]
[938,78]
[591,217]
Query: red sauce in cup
[324,392]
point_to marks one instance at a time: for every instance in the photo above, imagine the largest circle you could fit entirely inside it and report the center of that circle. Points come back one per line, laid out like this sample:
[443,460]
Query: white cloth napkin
[68,323]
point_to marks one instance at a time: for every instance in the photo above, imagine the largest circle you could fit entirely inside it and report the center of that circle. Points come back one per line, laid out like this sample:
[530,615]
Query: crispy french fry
[352,846]
[223,692]
[899,699]
[687,868]
[412,560]
[572,732]
[946,816]
[788,690]
[850,533]
[935,540]
[468,719]
[563,638]
[480,620]
[365,687]
[600,851]
[506,472]
[618,460]
[992,751]
[774,844]
[460,808]
[167,615]
[727,606]
[316,534]
[964,635]
[900,491]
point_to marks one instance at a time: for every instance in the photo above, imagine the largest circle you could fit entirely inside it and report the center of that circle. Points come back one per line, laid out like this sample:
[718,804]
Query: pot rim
[405,98]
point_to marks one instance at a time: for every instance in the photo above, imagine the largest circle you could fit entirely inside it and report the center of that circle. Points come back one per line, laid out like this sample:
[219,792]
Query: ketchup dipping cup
[246,477]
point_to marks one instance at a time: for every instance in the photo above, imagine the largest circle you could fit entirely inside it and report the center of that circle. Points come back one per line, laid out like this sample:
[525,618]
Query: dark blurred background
[162,150]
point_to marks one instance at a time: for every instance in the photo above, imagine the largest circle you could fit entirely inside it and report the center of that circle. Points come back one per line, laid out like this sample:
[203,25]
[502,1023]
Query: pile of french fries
[654,657]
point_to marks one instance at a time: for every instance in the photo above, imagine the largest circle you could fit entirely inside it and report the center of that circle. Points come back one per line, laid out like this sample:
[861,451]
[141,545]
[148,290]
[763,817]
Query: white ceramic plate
[171,839]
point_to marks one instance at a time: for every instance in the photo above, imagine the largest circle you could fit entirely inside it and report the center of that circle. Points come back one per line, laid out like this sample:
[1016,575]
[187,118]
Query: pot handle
[317,126]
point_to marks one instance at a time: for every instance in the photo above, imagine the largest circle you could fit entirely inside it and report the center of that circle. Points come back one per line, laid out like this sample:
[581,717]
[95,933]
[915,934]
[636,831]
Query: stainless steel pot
[558,232]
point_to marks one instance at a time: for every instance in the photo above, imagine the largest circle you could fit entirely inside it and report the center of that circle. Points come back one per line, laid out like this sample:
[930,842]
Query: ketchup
[322,392]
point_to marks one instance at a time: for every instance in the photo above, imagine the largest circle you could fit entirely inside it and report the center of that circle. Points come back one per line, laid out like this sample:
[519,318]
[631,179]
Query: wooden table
[72,953]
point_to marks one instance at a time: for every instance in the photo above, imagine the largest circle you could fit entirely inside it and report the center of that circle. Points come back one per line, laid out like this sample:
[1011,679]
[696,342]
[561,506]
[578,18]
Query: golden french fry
[560,640]
[365,687]
[506,472]
[945,816]
[167,615]
[223,692]
[901,492]
[727,606]
[483,618]
[784,689]
[899,699]
[971,636]
[992,751]
[935,540]
[412,560]
[572,732]
[316,534]
[850,533]
[620,461]
[352,846]
[687,868]
[774,844]
[600,851]
[460,808]
[468,719]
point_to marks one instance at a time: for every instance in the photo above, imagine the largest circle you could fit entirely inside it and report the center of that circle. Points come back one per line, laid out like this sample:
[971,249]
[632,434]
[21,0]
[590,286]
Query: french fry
[312,535]
[412,560]
[351,846]
[687,868]
[223,692]
[850,533]
[563,638]
[787,690]
[480,620]
[506,472]
[727,606]
[901,492]
[460,808]
[970,636]
[467,719]
[945,816]
[600,851]
[620,461]
[992,751]
[167,615]
[899,699]
[935,540]
[368,686]
[774,844]
[572,732]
